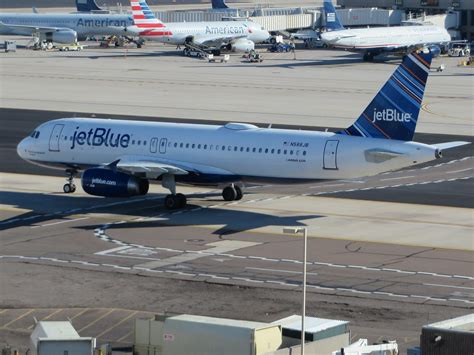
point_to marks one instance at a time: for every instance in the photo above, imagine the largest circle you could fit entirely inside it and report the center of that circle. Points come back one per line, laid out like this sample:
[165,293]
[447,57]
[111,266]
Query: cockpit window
[37,134]
[32,135]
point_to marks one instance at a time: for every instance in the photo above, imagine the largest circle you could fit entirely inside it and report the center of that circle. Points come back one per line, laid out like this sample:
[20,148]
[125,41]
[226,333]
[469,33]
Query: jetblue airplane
[120,157]
[375,41]
[65,27]
[237,36]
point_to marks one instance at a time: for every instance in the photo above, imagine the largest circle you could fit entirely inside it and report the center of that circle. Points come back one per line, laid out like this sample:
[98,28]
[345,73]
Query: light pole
[304,231]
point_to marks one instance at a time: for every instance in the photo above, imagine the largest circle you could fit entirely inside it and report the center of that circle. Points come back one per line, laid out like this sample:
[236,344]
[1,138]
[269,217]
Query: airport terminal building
[430,7]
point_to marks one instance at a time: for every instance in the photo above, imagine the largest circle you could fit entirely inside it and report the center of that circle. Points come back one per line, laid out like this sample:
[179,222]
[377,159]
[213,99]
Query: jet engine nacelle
[241,45]
[109,183]
[62,36]
[435,50]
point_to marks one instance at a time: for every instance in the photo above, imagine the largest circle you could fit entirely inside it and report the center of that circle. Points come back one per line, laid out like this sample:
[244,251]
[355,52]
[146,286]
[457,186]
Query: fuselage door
[330,155]
[153,145]
[163,143]
[54,138]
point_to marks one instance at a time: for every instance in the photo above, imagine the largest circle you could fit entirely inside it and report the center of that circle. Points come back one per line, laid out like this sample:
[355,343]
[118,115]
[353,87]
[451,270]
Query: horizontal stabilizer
[449,145]
[379,156]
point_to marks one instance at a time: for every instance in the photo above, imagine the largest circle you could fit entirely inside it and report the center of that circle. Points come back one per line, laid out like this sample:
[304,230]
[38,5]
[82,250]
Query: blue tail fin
[394,111]
[87,5]
[332,20]
[219,4]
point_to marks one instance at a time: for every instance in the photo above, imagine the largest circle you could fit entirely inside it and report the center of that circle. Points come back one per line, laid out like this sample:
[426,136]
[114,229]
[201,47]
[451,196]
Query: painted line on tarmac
[310,286]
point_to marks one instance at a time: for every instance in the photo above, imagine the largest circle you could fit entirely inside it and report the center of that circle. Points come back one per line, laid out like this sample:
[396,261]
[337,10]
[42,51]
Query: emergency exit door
[330,155]
[54,138]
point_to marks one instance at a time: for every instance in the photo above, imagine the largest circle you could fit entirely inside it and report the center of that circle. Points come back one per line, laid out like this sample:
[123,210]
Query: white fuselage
[200,32]
[83,24]
[244,151]
[386,38]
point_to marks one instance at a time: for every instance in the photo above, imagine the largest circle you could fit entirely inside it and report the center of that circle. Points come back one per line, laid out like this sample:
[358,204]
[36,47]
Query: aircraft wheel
[69,188]
[181,200]
[238,193]
[171,202]
[229,193]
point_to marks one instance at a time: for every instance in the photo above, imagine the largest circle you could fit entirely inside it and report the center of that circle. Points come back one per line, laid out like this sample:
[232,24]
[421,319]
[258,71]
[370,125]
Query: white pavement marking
[60,222]
[280,270]
[449,286]
[459,171]
[398,178]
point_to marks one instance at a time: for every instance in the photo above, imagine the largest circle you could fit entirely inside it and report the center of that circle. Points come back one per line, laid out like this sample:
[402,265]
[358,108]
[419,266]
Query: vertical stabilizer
[143,17]
[332,20]
[393,113]
[87,6]
[219,4]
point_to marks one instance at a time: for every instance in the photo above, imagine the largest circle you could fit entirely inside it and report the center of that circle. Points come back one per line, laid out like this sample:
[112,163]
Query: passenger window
[235,148]
[260,150]
[304,153]
[297,152]
[278,151]
[254,150]
[139,142]
[229,148]
[223,147]
[181,145]
[187,145]
[133,142]
[266,150]
[241,149]
[273,151]
[291,152]
[193,145]
[284,152]
[175,145]
[205,146]
[248,149]
[199,146]
[144,142]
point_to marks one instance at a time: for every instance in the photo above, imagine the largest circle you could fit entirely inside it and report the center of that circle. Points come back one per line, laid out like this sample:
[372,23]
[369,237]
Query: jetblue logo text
[100,137]
[391,115]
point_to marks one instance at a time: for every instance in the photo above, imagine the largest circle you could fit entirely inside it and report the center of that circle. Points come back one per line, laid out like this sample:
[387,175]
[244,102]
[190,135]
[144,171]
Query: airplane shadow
[232,221]
[41,210]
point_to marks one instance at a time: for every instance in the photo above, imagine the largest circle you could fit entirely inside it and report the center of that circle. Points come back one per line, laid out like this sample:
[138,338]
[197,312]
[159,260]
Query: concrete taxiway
[389,253]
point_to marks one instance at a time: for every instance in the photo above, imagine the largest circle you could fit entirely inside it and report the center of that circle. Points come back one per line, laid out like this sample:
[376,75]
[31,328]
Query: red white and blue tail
[143,17]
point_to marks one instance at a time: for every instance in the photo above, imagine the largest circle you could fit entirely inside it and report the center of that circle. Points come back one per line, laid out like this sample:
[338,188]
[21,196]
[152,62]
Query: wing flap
[32,29]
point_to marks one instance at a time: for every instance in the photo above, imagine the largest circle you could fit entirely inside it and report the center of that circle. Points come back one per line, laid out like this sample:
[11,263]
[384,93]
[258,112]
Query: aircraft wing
[217,40]
[154,167]
[32,29]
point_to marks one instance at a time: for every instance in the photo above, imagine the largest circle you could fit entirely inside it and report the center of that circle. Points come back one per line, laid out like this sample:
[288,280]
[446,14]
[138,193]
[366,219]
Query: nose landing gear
[70,187]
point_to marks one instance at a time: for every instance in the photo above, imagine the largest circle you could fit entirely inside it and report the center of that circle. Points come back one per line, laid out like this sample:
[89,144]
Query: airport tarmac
[320,88]
[389,253]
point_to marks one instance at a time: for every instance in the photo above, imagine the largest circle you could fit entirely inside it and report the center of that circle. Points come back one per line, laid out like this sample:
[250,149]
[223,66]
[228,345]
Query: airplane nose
[21,148]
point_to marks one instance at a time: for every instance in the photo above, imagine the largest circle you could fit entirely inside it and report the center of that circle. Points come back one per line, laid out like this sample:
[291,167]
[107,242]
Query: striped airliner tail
[143,17]
[393,113]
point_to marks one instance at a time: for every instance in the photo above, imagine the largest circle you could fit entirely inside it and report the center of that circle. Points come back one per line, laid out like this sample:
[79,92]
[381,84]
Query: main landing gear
[70,187]
[232,193]
[175,200]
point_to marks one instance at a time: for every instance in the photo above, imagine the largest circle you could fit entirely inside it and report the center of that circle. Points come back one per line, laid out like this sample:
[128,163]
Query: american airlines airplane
[120,157]
[65,27]
[237,36]
[375,41]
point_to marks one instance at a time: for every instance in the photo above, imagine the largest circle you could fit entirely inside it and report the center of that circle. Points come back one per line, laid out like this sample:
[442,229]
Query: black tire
[273,40]
[229,193]
[73,188]
[67,188]
[238,193]
[171,202]
[181,200]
